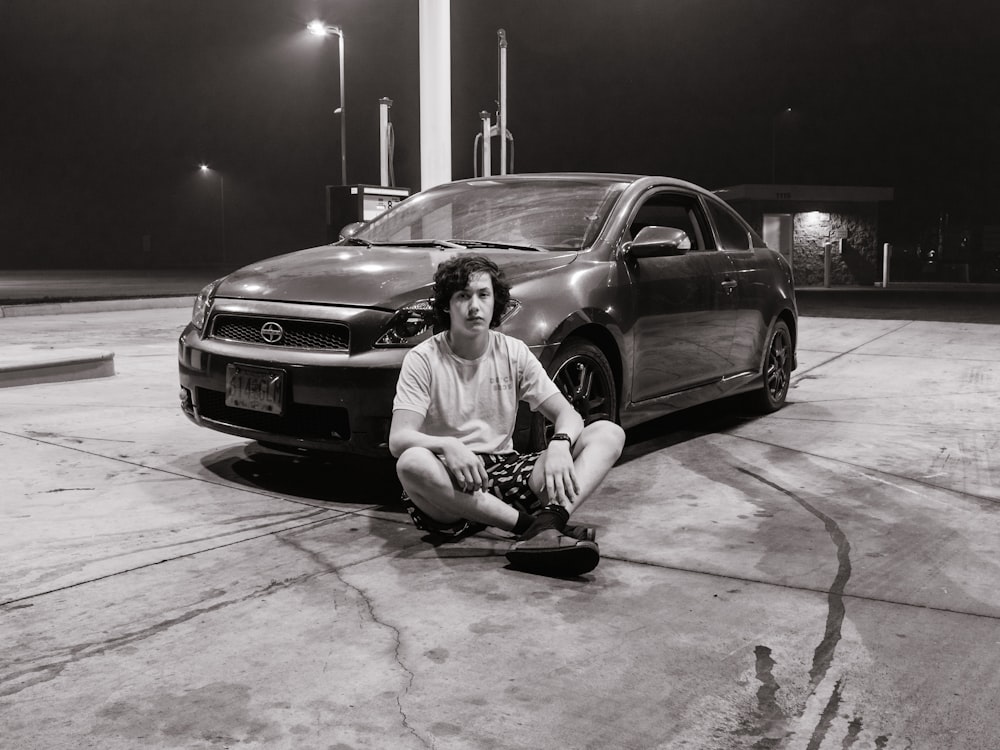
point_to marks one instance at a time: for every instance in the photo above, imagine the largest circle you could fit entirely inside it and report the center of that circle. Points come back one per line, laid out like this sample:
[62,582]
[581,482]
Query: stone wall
[860,263]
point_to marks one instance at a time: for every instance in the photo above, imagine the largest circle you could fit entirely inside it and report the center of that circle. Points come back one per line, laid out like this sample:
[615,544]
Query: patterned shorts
[508,475]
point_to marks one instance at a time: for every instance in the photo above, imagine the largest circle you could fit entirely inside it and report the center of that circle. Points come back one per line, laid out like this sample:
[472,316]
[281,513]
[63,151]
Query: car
[640,295]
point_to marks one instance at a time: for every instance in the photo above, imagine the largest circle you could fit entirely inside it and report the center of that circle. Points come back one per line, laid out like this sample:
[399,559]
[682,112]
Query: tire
[777,371]
[583,375]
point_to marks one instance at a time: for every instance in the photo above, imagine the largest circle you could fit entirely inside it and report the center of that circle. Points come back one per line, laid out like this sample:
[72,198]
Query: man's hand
[559,473]
[467,468]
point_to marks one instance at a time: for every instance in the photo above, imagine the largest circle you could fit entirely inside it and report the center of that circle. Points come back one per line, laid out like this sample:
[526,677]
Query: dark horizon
[111,108]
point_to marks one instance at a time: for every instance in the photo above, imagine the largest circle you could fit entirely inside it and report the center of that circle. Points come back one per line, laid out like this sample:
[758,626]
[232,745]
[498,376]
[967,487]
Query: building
[806,223]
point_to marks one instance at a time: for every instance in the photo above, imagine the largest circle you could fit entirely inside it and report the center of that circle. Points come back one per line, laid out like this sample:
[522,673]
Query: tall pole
[222,213]
[435,92]
[205,169]
[343,113]
[774,138]
[318,28]
[384,143]
[773,125]
[502,41]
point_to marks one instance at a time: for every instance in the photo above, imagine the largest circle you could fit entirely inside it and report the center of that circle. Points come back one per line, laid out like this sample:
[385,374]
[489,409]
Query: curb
[85,306]
[30,365]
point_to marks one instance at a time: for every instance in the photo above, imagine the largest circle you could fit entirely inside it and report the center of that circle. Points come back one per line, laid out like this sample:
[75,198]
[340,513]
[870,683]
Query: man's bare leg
[429,485]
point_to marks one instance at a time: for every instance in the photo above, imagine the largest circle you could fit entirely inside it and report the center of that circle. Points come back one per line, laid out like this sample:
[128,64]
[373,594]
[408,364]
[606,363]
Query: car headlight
[203,305]
[409,324]
[412,323]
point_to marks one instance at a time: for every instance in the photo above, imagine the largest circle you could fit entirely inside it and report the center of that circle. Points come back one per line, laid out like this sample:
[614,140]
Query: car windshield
[525,214]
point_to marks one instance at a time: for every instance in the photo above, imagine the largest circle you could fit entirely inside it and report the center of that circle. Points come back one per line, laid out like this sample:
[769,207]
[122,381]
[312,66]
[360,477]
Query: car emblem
[271,332]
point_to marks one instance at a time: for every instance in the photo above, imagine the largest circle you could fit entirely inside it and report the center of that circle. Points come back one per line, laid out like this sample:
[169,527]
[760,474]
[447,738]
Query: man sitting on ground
[453,423]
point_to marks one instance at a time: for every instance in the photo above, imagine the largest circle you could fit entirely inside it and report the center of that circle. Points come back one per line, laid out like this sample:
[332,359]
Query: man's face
[471,309]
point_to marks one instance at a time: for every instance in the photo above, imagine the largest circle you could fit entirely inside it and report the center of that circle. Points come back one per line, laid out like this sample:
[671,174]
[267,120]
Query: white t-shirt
[474,400]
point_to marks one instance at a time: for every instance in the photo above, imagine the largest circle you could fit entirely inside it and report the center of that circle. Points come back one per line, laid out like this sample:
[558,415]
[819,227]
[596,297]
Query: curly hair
[453,276]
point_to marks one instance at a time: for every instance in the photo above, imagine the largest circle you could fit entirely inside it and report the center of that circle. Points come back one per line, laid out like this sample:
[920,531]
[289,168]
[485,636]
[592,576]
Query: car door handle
[728,285]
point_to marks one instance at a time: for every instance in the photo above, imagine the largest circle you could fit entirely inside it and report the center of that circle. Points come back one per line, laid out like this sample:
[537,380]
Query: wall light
[815,218]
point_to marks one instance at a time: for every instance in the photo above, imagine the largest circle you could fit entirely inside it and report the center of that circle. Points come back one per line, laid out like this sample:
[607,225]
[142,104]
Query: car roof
[593,177]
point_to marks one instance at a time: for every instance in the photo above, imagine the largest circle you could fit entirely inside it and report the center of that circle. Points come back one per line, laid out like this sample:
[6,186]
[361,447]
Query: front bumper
[333,403]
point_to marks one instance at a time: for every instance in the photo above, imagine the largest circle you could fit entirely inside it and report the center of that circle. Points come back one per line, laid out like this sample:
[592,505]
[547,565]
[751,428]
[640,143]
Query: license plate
[255,388]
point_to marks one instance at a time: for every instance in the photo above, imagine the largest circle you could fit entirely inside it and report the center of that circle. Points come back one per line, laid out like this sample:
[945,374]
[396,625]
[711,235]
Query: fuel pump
[481,150]
[348,204]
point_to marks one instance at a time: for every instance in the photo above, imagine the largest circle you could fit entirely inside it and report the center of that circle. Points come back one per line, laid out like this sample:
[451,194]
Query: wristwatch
[562,436]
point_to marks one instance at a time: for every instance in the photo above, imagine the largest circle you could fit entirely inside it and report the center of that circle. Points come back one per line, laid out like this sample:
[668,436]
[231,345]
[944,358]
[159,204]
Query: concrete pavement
[819,578]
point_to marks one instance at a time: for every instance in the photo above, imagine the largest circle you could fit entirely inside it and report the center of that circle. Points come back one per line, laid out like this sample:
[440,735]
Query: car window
[673,210]
[552,214]
[733,233]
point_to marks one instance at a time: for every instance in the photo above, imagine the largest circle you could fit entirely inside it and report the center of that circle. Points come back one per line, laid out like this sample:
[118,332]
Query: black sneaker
[554,554]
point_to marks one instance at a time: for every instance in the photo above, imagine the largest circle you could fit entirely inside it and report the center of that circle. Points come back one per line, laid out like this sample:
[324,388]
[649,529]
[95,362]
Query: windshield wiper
[444,244]
[504,245]
[356,241]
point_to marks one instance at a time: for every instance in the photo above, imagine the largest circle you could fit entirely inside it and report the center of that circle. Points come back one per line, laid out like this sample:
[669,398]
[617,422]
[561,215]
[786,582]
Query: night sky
[109,106]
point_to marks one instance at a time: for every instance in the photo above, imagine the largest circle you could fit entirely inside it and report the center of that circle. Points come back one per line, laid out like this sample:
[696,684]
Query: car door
[684,319]
[742,248]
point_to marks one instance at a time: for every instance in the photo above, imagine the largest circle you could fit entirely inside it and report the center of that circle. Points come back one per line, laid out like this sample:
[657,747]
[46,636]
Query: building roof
[824,193]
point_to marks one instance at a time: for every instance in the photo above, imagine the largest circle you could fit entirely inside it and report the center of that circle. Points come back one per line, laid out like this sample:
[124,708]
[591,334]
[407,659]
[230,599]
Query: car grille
[299,420]
[298,334]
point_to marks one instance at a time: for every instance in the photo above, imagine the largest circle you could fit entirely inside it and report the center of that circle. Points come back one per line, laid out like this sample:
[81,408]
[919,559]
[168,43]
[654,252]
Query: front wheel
[777,371]
[582,373]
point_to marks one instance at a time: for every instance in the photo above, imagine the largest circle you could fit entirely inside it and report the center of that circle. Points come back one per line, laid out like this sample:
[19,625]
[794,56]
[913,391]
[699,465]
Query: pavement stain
[826,718]
[29,674]
[771,719]
[825,651]
[218,713]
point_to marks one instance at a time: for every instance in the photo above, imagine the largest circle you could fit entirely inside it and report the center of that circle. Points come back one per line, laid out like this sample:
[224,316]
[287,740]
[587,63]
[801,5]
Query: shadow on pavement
[688,424]
[333,479]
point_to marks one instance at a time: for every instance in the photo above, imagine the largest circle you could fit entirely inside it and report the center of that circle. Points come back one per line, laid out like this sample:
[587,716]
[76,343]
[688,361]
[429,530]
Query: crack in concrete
[289,517]
[23,679]
[38,594]
[172,473]
[801,374]
[763,582]
[369,605]
[984,501]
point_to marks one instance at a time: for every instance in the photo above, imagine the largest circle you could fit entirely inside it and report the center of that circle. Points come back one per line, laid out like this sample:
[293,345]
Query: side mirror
[658,242]
[352,229]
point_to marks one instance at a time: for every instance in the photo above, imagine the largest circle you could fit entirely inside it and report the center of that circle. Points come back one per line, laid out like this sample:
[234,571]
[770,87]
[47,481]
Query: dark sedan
[640,296]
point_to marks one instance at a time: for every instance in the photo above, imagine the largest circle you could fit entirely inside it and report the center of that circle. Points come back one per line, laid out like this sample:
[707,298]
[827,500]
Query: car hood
[380,277]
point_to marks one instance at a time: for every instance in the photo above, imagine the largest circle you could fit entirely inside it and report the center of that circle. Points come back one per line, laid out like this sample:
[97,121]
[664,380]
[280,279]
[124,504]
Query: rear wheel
[777,371]
[582,373]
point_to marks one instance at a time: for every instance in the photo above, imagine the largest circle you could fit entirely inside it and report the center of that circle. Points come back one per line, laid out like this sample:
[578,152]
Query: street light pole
[321,29]
[205,169]
[222,214]
[774,125]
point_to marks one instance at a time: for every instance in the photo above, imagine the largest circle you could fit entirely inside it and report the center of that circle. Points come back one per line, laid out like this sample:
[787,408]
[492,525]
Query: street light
[205,169]
[774,125]
[318,28]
